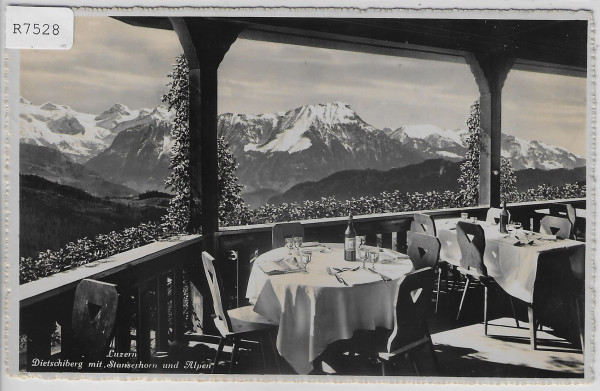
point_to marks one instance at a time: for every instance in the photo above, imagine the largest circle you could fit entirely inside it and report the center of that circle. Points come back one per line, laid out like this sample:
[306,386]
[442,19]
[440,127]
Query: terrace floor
[462,350]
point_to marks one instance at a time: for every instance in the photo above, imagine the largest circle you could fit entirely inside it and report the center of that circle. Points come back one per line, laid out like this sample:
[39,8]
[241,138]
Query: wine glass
[306,257]
[517,227]
[289,243]
[363,255]
[374,257]
[297,243]
[361,240]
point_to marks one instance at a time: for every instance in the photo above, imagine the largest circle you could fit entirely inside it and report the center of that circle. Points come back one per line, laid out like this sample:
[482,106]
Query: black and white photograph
[337,195]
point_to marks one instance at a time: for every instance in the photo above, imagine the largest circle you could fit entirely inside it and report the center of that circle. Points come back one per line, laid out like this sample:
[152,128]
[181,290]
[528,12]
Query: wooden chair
[567,211]
[410,323]
[493,216]
[423,223]
[424,251]
[285,230]
[559,226]
[471,241]
[93,317]
[237,323]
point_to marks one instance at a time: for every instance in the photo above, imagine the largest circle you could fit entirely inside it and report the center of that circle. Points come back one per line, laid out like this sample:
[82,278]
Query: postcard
[153,153]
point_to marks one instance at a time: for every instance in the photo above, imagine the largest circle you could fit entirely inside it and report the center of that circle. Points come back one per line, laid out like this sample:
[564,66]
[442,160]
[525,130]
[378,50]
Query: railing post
[143,324]
[178,318]
[39,327]
[162,314]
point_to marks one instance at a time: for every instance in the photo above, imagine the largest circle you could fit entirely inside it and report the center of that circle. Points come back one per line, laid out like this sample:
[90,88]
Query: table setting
[325,298]
[511,258]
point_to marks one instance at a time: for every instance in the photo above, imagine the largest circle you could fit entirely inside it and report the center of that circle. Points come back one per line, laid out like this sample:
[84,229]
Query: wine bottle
[350,241]
[503,219]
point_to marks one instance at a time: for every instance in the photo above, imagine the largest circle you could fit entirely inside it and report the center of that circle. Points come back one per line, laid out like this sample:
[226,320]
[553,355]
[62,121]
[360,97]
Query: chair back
[559,226]
[566,211]
[93,317]
[493,216]
[424,250]
[213,277]
[423,223]
[285,230]
[413,305]
[471,241]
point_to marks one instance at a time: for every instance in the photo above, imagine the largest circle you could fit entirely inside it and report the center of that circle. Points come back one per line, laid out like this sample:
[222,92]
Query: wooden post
[204,43]
[143,324]
[162,314]
[38,324]
[490,71]
[178,318]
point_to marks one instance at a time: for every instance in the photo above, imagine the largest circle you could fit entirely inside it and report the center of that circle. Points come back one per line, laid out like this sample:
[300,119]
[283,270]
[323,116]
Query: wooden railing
[161,305]
[149,280]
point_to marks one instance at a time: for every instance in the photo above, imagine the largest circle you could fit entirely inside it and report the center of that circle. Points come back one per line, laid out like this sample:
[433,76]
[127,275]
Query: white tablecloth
[513,267]
[314,309]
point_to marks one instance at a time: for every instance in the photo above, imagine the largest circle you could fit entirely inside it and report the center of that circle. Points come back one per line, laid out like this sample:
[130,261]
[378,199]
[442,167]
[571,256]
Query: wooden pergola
[491,48]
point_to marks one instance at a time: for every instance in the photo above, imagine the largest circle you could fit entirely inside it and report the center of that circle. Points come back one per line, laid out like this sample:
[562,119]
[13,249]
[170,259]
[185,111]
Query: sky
[114,62]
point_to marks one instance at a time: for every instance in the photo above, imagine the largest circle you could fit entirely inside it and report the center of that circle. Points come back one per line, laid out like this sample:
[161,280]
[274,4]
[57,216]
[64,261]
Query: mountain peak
[48,106]
[115,111]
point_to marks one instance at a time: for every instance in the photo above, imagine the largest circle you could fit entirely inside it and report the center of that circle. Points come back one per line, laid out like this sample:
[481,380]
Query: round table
[314,309]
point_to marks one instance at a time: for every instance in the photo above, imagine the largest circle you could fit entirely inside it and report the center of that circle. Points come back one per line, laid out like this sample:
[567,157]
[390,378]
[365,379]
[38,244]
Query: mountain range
[430,175]
[275,151]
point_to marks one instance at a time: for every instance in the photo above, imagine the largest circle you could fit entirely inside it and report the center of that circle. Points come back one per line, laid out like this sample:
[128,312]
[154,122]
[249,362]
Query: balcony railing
[161,285]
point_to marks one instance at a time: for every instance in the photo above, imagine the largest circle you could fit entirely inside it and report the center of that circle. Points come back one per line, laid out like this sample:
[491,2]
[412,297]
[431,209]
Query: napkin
[311,244]
[281,266]
[359,277]
[389,255]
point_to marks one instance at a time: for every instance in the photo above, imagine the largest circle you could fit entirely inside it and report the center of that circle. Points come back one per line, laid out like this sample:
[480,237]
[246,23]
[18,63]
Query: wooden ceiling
[556,43]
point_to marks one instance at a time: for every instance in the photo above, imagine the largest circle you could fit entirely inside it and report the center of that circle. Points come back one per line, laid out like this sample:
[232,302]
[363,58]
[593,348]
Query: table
[314,309]
[513,267]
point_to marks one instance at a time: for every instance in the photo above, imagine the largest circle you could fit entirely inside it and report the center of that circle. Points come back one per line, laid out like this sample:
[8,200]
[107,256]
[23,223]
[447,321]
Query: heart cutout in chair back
[93,310]
[554,230]
[422,252]
[470,237]
[415,294]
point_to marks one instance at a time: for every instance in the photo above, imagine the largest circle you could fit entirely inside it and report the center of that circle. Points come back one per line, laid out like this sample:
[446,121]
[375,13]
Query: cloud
[110,62]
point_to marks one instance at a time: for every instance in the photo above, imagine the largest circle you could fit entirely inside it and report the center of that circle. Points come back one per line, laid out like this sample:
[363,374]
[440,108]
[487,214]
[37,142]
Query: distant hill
[52,165]
[530,178]
[430,175]
[51,215]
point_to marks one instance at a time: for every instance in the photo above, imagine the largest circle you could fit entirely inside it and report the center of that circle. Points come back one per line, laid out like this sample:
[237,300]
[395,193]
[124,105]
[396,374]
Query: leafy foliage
[86,250]
[177,98]
[389,202]
[469,169]
[232,210]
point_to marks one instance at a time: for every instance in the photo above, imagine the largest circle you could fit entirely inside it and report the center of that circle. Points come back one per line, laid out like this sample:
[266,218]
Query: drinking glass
[517,226]
[464,216]
[289,243]
[361,240]
[473,219]
[297,243]
[306,257]
[363,255]
[374,257]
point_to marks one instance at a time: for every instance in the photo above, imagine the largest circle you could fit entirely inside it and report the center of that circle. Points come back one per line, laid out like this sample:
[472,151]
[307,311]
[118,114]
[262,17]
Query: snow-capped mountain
[138,157]
[536,154]
[274,151]
[433,142]
[79,136]
[277,151]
